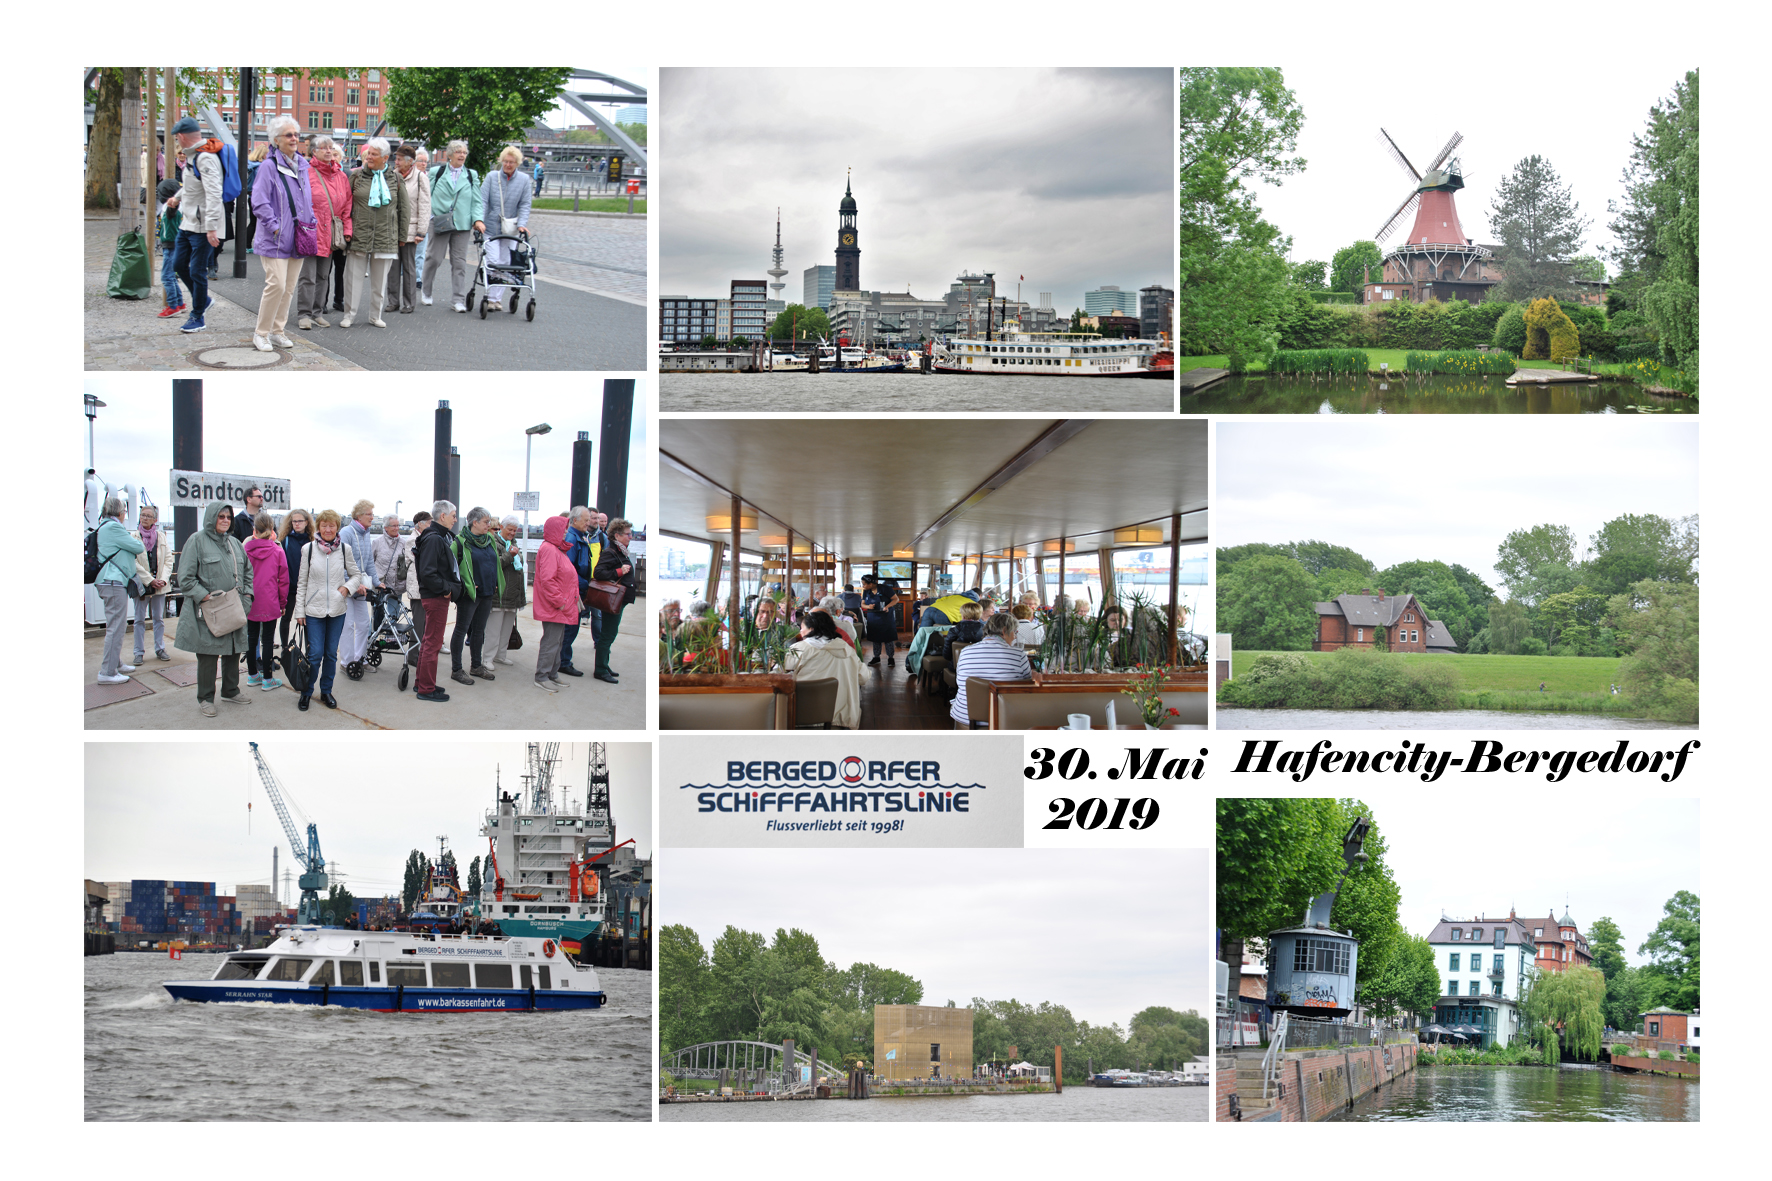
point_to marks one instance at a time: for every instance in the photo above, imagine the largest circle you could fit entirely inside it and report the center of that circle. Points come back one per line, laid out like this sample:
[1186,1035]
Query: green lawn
[593,204]
[1581,675]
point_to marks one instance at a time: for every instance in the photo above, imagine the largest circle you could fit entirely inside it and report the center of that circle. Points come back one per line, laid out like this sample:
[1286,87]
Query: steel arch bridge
[762,1064]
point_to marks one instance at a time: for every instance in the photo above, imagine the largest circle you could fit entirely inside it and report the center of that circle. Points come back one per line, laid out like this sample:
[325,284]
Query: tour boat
[1053,354]
[400,972]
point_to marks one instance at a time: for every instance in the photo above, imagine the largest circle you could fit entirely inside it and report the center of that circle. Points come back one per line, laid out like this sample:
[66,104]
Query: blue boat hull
[383,999]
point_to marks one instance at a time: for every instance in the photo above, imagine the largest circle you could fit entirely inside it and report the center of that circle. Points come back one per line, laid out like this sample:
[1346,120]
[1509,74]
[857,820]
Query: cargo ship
[399,972]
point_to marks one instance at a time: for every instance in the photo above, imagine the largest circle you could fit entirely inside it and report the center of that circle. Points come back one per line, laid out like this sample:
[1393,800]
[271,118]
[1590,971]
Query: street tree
[1672,948]
[1656,626]
[488,106]
[1266,604]
[1656,226]
[1540,228]
[1352,265]
[1409,980]
[800,324]
[1574,1001]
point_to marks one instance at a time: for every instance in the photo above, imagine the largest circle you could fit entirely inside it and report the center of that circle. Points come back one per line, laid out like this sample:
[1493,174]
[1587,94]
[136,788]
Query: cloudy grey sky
[1507,111]
[357,435]
[1429,488]
[1065,176]
[1103,933]
[1623,861]
[177,810]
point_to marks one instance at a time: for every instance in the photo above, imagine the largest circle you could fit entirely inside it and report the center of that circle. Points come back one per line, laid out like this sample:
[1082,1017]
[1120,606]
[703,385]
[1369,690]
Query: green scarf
[484,540]
[378,188]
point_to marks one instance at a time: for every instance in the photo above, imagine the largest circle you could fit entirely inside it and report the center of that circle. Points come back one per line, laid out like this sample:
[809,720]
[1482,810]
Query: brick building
[355,102]
[1561,945]
[1354,621]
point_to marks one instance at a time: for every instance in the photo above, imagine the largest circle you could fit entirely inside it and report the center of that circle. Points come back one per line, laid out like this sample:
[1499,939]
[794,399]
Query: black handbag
[516,641]
[295,660]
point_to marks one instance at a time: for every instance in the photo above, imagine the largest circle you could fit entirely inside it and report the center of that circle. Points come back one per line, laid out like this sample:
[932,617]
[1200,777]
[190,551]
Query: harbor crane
[314,878]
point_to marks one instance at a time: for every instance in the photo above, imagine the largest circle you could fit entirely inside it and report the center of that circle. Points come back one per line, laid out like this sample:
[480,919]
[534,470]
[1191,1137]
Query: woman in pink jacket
[331,190]
[554,602]
[270,571]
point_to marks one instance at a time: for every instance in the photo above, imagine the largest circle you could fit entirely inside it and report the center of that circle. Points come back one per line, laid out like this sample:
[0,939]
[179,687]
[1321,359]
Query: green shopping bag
[130,276]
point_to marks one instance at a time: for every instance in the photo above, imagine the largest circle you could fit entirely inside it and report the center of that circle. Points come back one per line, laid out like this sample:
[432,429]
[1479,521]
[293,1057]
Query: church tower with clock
[848,276]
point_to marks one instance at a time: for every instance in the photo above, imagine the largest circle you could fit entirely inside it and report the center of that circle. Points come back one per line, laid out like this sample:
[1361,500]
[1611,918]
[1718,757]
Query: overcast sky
[1398,489]
[368,435]
[1103,933]
[177,811]
[1065,176]
[641,76]
[1623,859]
[1508,110]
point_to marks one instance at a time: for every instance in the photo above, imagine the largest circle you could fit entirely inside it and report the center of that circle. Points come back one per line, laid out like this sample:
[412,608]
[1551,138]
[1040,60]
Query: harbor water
[1429,719]
[1433,394]
[879,394]
[1523,1093]
[1078,1104]
[151,1058]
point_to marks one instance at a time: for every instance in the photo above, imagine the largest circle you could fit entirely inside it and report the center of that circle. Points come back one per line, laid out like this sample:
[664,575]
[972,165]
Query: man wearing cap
[200,208]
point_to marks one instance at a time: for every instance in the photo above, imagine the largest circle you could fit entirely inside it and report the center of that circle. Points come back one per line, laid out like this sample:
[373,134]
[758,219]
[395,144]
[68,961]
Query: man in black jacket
[439,582]
[247,517]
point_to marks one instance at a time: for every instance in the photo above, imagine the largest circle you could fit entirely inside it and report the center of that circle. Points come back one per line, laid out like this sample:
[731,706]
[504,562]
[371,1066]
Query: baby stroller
[518,274]
[395,633]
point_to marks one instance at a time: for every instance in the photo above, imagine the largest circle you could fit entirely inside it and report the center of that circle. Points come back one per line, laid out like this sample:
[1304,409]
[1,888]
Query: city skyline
[953,171]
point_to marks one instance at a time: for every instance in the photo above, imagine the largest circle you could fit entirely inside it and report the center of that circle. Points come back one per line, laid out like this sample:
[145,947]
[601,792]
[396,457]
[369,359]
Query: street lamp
[92,408]
[528,447]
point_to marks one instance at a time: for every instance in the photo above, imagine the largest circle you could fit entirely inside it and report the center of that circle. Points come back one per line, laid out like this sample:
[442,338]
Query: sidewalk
[375,703]
[127,334]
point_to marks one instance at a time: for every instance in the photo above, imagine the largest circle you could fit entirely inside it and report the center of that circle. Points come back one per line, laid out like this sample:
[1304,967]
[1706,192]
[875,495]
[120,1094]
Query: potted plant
[1146,691]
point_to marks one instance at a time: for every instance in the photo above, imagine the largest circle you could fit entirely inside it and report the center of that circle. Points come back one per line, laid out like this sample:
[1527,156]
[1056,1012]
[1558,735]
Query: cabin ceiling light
[1138,535]
[903,553]
[772,540]
[1053,547]
[722,523]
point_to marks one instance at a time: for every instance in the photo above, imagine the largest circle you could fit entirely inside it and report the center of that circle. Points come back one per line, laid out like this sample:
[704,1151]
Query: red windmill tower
[1436,260]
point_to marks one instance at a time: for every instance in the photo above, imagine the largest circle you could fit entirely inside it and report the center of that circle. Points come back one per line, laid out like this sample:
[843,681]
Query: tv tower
[777,271]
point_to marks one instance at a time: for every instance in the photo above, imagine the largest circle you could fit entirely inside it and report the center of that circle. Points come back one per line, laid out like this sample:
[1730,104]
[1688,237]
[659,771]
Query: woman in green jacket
[213,562]
[456,205]
[380,211]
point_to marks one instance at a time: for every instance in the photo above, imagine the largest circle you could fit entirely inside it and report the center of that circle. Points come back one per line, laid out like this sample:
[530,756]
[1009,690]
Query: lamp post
[528,447]
[93,405]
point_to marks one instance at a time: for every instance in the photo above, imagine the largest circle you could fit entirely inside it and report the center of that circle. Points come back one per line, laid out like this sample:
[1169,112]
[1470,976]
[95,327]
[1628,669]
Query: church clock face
[848,239]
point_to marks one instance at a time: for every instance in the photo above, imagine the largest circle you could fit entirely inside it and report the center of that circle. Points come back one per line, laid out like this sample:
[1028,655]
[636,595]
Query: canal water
[1525,1093]
[1433,394]
[1078,1104]
[1428,719]
[151,1058]
[906,393]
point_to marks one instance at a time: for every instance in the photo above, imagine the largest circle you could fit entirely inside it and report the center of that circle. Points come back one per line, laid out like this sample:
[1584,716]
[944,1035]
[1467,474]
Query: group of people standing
[327,235]
[341,579]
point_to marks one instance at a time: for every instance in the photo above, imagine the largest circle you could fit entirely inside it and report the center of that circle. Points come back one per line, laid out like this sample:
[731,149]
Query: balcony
[1498,973]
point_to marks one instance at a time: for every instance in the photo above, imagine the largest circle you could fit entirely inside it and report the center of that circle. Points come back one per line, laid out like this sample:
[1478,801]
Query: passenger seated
[833,606]
[1029,632]
[670,616]
[996,657]
[969,630]
[821,653]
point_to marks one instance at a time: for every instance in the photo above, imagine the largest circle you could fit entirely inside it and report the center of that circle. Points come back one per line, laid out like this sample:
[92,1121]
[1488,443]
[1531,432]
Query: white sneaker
[460,306]
[378,323]
[424,299]
[281,341]
[345,323]
[119,680]
[548,685]
[126,668]
[261,343]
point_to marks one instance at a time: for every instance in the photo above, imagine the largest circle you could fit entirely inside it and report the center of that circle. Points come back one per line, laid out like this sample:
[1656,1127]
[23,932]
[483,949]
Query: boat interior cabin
[909,536]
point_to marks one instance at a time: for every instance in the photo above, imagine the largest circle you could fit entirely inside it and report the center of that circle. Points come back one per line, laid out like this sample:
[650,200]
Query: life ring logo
[852,769]
[547,948]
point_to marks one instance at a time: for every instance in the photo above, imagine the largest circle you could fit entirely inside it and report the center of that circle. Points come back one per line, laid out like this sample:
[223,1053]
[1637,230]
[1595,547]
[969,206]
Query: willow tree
[1575,1000]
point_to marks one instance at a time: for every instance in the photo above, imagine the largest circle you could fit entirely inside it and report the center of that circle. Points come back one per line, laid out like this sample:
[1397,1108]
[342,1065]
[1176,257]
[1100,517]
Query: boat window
[323,974]
[241,968]
[411,975]
[350,972]
[527,978]
[375,971]
[449,975]
[285,968]
[545,982]
[492,975]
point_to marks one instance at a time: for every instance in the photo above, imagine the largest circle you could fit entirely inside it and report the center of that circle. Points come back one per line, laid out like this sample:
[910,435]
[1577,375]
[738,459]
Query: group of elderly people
[342,578]
[387,222]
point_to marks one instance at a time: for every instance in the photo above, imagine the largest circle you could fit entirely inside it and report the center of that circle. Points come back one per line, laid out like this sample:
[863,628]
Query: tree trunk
[101,149]
[129,152]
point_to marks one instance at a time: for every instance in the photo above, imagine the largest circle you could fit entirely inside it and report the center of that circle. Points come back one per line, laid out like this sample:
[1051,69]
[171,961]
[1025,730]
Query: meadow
[1572,684]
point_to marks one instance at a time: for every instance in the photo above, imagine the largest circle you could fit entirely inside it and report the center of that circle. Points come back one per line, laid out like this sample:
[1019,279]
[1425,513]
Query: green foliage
[1348,269]
[799,323]
[1274,857]
[1656,625]
[1668,1056]
[710,341]
[1408,979]
[1573,1000]
[1533,646]
[1673,952]
[1440,593]
[1657,226]
[417,877]
[1550,334]
[1266,602]
[1510,330]
[1310,274]
[1318,361]
[1348,678]
[1540,229]
[340,904]
[474,879]
[1462,361]
[1346,297]
[1661,549]
[1527,557]
[1607,943]
[1597,338]
[488,106]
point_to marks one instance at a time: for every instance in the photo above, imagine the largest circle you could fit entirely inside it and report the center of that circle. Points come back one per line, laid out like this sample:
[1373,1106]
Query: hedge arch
[1550,333]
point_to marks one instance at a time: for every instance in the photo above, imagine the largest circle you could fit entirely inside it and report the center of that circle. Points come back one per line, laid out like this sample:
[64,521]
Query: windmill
[1436,249]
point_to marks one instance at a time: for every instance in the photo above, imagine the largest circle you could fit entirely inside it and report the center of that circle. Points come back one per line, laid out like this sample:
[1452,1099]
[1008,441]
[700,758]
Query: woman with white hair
[506,197]
[330,197]
[380,210]
[117,550]
[456,209]
[153,574]
[512,598]
[284,207]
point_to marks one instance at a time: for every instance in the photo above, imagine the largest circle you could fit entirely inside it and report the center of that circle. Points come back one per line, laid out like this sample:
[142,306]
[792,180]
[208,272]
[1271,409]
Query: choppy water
[1078,1104]
[1436,394]
[1435,719]
[1571,1093]
[151,1058]
[906,393]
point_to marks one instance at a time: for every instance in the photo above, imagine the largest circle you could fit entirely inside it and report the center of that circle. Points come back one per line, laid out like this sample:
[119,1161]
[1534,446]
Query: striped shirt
[992,659]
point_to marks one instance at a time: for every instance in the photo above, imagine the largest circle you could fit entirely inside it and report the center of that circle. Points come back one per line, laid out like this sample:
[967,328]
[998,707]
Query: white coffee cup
[1077,721]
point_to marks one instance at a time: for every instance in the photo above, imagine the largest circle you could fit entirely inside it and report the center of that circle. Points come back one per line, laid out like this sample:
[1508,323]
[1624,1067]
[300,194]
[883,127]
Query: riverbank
[1569,1093]
[1309,1085]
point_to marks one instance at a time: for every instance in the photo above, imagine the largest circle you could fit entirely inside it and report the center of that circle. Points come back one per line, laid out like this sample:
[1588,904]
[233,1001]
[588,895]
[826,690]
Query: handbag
[295,660]
[444,223]
[608,597]
[506,225]
[223,614]
[516,641]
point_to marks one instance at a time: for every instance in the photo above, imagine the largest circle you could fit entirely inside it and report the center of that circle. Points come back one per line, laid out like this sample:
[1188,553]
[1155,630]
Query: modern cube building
[817,284]
[922,1041]
[1110,301]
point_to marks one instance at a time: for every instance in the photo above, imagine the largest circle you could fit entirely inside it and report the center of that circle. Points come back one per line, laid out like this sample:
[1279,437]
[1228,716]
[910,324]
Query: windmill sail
[1445,152]
[1397,155]
[1391,223]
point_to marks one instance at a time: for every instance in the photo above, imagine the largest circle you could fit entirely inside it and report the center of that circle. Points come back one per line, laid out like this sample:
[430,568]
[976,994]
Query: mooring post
[1058,1069]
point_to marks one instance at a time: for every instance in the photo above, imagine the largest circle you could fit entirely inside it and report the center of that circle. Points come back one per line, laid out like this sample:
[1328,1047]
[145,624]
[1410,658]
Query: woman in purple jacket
[284,206]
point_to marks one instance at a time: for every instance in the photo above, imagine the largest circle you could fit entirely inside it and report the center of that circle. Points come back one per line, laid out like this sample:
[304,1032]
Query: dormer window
[1476,934]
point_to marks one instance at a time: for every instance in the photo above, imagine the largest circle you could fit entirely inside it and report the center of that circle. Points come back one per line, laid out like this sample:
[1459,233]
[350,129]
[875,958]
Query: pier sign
[198,489]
